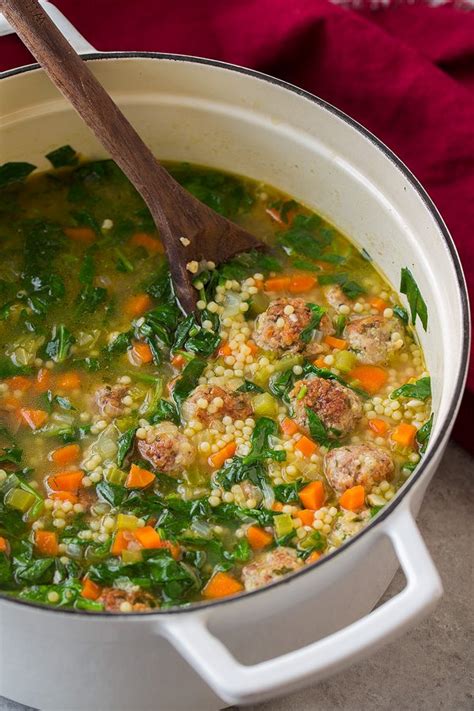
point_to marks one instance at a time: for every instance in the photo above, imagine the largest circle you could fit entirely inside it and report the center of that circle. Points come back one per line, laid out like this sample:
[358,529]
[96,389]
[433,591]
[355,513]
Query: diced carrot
[306,516]
[217,459]
[178,361]
[334,342]
[83,235]
[224,349]
[34,418]
[378,303]
[221,585]
[121,541]
[289,426]
[253,347]
[370,377]
[258,537]
[274,214]
[141,353]
[299,283]
[148,537]
[66,455]
[150,243]
[380,427]
[306,446]
[313,557]
[259,284]
[19,382]
[46,542]
[3,545]
[138,478]
[43,380]
[353,498]
[319,362]
[173,548]
[277,506]
[68,381]
[90,590]
[10,403]
[64,496]
[66,481]
[277,284]
[312,495]
[137,305]
[404,434]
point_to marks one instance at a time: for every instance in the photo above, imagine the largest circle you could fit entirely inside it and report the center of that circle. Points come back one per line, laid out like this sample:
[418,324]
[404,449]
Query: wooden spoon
[190,230]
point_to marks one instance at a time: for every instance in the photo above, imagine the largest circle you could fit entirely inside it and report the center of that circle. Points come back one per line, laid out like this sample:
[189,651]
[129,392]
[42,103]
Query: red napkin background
[406,72]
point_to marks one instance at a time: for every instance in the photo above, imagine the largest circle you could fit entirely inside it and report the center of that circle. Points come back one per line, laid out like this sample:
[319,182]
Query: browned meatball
[109,400]
[87,497]
[371,338]
[220,403]
[279,328]
[338,407]
[335,296]
[355,464]
[140,601]
[270,566]
[166,448]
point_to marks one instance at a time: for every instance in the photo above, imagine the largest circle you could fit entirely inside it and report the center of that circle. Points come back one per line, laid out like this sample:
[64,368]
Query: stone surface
[430,668]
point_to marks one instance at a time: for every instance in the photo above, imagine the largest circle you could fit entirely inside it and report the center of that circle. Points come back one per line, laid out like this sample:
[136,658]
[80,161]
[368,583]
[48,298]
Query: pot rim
[462,289]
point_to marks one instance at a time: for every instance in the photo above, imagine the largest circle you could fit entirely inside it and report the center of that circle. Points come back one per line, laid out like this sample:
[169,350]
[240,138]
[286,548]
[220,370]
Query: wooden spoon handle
[94,105]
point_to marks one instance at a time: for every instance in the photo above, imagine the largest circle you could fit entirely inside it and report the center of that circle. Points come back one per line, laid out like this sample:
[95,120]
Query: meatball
[166,448]
[141,601]
[218,403]
[279,328]
[109,400]
[337,406]
[371,338]
[270,566]
[355,464]
[335,296]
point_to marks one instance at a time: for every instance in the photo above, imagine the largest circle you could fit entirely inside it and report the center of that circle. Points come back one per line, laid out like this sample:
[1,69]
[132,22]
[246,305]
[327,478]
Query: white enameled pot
[321,619]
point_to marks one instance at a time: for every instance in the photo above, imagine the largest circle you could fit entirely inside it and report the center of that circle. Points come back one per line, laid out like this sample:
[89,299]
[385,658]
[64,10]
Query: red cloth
[406,72]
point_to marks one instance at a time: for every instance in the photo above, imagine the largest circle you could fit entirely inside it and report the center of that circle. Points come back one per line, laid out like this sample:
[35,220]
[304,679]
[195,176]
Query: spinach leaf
[5,569]
[165,410]
[191,337]
[247,264]
[9,369]
[14,172]
[68,592]
[421,390]
[242,551]
[401,313]
[60,343]
[317,312]
[121,343]
[424,433]
[288,493]
[314,541]
[350,288]
[231,512]
[260,442]
[62,157]
[308,238]
[28,569]
[238,471]
[281,384]
[223,193]
[124,443]
[188,380]
[11,454]
[11,522]
[317,429]
[249,387]
[111,493]
[409,287]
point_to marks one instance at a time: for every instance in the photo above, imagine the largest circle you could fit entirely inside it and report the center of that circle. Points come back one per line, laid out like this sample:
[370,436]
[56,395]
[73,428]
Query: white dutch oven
[319,620]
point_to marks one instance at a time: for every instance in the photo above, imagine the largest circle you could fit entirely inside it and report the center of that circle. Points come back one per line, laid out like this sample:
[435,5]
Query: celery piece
[264,405]
[345,360]
[127,522]
[288,361]
[261,377]
[283,525]
[116,476]
[20,500]
[258,304]
[132,556]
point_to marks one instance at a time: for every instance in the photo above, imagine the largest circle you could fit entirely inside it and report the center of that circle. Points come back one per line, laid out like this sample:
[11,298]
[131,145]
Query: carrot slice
[178,361]
[353,498]
[312,495]
[404,434]
[380,427]
[334,342]
[121,541]
[217,459]
[299,283]
[10,403]
[137,305]
[289,426]
[43,380]
[141,353]
[277,284]
[46,542]
[138,478]
[150,243]
[378,303]
[19,382]
[90,590]
[319,362]
[148,537]
[306,446]
[258,537]
[221,585]
[277,506]
[66,481]
[82,235]
[370,377]
[34,418]
[68,381]
[66,455]
[306,516]
[3,545]
[313,557]
[224,350]
[64,496]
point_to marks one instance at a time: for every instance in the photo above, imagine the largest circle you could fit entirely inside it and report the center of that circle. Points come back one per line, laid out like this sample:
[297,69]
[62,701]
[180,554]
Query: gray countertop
[431,667]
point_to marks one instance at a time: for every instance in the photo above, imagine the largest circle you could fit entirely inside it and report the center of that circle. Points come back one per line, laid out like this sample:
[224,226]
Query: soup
[148,460]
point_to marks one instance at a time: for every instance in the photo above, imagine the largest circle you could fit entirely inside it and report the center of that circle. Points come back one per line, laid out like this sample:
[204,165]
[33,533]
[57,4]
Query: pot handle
[237,683]
[80,44]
